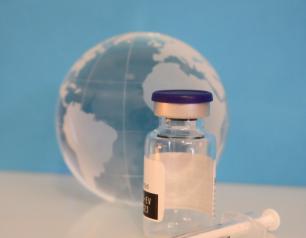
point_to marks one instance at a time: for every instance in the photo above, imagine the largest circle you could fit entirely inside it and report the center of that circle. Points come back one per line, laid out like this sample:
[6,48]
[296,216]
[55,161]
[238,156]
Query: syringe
[269,220]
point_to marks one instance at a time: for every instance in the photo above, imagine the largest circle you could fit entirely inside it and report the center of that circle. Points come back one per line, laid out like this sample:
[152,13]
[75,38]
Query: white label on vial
[154,189]
[178,181]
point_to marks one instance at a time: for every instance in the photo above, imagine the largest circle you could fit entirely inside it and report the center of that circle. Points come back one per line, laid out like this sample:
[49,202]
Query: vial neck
[170,123]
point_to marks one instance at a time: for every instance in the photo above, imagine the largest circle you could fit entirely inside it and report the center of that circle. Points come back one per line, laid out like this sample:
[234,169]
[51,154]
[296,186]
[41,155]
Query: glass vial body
[177,154]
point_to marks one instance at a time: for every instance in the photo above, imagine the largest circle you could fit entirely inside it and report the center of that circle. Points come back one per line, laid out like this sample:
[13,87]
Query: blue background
[258,48]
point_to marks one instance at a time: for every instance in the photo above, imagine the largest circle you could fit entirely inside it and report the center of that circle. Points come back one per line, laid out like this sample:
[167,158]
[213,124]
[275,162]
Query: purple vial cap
[182,96]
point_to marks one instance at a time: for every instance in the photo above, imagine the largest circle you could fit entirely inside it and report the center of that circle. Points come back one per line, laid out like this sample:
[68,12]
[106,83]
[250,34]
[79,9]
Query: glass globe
[105,109]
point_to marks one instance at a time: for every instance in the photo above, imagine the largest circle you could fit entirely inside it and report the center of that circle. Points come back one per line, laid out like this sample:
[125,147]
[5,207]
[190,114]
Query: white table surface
[57,206]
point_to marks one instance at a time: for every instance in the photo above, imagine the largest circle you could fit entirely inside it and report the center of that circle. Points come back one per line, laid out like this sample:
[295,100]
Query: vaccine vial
[179,165]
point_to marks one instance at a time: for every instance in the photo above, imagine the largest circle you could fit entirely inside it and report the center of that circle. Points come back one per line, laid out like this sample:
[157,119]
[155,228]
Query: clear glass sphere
[105,109]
